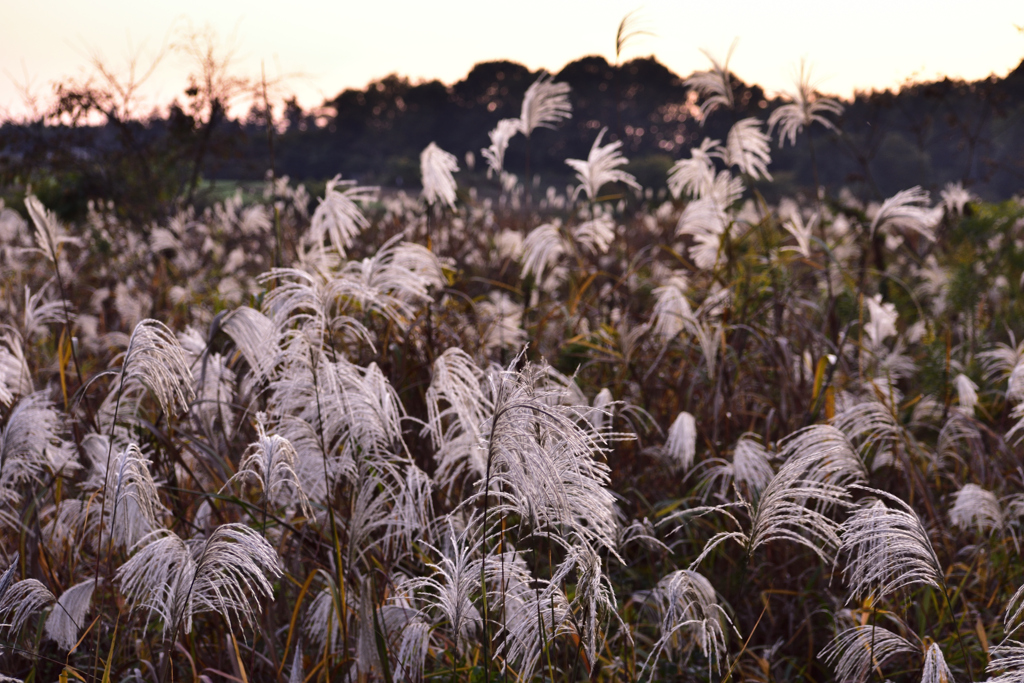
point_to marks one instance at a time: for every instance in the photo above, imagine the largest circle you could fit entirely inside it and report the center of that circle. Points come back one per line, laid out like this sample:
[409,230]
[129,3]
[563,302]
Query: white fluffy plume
[855,651]
[501,135]
[545,104]
[436,168]
[67,618]
[682,441]
[601,167]
[807,107]
[177,579]
[338,216]
[887,549]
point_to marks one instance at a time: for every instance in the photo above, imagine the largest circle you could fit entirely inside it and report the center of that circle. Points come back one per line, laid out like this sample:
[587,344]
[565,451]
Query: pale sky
[320,48]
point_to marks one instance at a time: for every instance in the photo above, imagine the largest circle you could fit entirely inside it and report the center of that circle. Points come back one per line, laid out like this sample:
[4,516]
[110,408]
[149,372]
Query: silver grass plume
[887,549]
[749,471]
[824,454]
[7,579]
[1006,362]
[154,358]
[253,334]
[302,308]
[1014,611]
[935,669]
[40,313]
[853,653]
[347,414]
[68,615]
[954,197]
[594,596]
[413,636]
[370,522]
[271,460]
[973,506]
[873,425]
[601,167]
[67,523]
[406,633]
[412,509]
[542,249]
[796,227]
[177,579]
[908,210]
[818,466]
[338,216]
[672,316]
[672,310]
[602,407]
[792,506]
[694,176]
[215,384]
[49,234]
[1007,657]
[503,132]
[449,590]
[131,505]
[30,443]
[594,236]
[457,407]
[545,104]
[724,189]
[297,674]
[322,623]
[436,168]
[542,461]
[967,393]
[682,442]
[20,601]
[642,532]
[686,603]
[501,321]
[747,148]
[882,319]
[15,377]
[535,612]
[714,85]
[392,281]
[807,107]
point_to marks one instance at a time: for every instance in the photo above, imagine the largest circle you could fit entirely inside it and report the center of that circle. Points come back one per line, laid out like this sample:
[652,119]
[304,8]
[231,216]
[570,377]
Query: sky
[321,48]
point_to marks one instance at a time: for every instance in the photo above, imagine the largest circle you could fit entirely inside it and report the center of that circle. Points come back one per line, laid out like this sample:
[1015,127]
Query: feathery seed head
[67,618]
[887,549]
[714,85]
[601,167]
[436,168]
[155,359]
[854,652]
[21,601]
[338,216]
[973,506]
[501,135]
[545,104]
[225,573]
[807,106]
[682,441]
[908,210]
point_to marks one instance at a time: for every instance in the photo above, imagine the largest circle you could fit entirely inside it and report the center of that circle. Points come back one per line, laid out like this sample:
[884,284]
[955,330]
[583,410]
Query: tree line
[85,147]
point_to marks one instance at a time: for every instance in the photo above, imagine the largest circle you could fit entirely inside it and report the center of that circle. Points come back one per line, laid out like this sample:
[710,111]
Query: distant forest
[925,134]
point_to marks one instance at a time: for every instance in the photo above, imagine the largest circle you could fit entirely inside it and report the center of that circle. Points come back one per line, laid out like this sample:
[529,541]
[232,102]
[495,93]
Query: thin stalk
[874,665]
[330,505]
[959,638]
[67,328]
